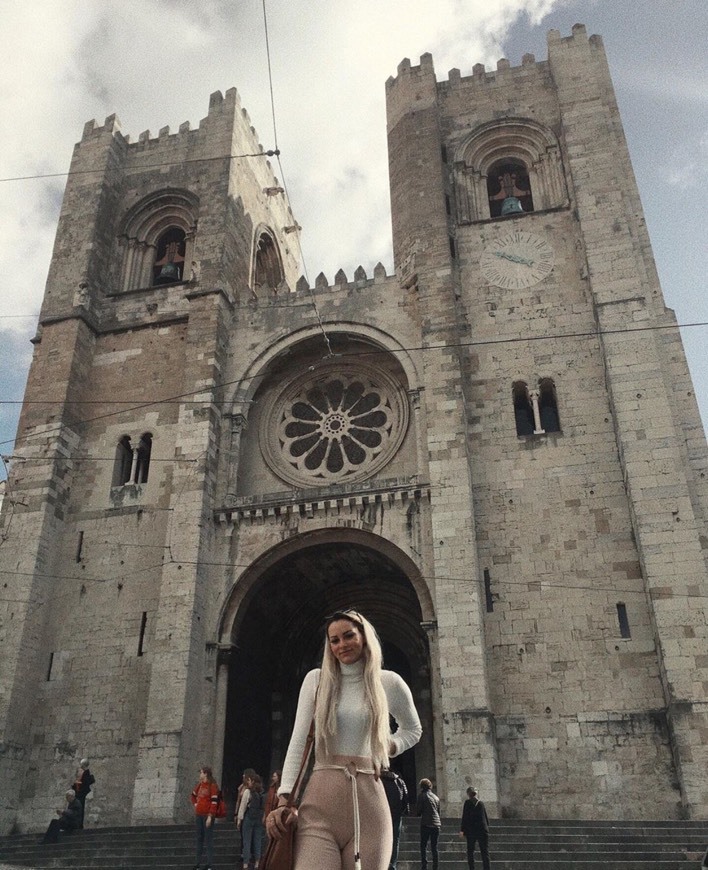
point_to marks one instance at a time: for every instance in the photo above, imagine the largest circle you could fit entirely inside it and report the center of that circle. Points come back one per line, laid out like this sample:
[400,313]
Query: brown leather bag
[280,854]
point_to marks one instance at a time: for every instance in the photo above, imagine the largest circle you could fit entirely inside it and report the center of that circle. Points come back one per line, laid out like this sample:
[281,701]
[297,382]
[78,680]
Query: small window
[623,620]
[548,406]
[142,465]
[123,462]
[523,410]
[169,257]
[509,189]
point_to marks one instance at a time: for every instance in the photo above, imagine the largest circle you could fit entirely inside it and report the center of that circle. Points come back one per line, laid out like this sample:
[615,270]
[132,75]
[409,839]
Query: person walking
[397,797]
[343,820]
[250,821]
[205,798]
[272,794]
[428,808]
[474,827]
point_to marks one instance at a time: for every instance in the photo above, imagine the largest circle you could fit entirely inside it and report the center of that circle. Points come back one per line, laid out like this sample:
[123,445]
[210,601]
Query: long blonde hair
[374,695]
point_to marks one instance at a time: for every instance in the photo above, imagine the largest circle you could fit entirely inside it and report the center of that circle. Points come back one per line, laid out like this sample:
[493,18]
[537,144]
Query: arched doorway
[276,637]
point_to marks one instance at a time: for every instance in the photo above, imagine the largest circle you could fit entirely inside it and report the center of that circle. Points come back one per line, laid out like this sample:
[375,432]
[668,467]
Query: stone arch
[247,581]
[520,141]
[270,635]
[145,224]
[267,273]
[279,345]
[273,369]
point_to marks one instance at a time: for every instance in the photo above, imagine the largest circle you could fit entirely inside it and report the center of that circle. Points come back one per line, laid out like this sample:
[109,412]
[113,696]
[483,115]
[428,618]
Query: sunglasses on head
[350,615]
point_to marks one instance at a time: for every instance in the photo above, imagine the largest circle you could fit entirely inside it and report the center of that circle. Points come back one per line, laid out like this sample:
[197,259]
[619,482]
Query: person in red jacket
[205,798]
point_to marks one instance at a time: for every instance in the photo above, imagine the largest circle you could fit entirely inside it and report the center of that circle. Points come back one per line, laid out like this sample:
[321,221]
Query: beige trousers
[325,831]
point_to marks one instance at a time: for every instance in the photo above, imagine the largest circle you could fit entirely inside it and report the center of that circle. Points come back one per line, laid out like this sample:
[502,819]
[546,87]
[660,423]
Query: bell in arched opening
[509,189]
[511,205]
[169,257]
[169,272]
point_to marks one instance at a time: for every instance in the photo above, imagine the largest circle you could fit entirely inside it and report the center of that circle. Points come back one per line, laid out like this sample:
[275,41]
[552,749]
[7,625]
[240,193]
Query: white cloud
[155,63]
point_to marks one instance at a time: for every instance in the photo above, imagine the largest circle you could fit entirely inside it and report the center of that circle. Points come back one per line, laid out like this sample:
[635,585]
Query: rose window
[337,426]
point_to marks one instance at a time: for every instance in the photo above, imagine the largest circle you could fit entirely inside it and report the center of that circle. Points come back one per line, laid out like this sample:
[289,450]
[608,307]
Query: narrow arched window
[169,257]
[623,620]
[548,406]
[508,188]
[142,464]
[523,410]
[268,272]
[123,462]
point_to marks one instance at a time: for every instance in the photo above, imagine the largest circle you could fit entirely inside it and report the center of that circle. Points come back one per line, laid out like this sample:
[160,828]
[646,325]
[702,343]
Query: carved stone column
[238,425]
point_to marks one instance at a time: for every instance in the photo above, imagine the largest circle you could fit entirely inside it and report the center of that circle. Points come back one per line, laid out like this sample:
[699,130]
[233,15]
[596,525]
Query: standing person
[205,798]
[474,827]
[247,774]
[82,785]
[397,797]
[428,808]
[272,795]
[250,820]
[343,817]
[69,818]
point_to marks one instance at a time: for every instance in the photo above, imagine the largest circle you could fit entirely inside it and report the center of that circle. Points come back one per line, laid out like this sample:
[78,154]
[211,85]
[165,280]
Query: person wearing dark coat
[82,785]
[474,827]
[397,797]
[428,808]
[69,818]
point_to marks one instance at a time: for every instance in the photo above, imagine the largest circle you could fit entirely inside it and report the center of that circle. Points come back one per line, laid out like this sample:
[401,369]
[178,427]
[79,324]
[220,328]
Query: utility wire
[546,585]
[70,173]
[285,186]
[347,355]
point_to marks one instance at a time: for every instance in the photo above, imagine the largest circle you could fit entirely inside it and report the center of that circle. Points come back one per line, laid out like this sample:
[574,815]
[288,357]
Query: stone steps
[514,845]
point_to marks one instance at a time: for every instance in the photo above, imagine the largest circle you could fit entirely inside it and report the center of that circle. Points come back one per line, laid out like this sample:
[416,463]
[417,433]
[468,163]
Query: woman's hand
[279,820]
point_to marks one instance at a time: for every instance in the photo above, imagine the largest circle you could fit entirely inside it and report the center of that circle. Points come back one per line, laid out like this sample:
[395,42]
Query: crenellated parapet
[414,81]
[341,283]
[220,106]
[225,111]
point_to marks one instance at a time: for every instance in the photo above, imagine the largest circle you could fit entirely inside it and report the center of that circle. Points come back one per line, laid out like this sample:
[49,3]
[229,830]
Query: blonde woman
[343,822]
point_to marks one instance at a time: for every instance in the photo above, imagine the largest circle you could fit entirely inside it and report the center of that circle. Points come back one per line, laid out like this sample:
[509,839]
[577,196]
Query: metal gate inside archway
[279,637]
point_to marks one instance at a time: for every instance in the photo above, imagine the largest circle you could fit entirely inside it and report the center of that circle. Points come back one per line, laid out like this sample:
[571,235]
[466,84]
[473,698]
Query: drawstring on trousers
[351,771]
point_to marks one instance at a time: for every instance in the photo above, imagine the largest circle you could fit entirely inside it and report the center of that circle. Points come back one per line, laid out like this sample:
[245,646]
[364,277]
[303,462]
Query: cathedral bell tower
[567,457]
[161,245]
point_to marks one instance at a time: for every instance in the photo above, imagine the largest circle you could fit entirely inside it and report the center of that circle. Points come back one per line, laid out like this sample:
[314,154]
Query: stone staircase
[514,845]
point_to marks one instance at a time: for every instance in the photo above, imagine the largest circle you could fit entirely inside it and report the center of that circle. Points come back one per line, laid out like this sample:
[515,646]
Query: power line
[273,152]
[282,175]
[549,585]
[179,398]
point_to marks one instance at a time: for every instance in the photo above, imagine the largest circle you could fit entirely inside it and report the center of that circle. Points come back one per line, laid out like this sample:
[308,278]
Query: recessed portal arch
[272,630]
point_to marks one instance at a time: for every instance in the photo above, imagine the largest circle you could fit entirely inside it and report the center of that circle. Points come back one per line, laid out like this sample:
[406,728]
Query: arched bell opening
[277,638]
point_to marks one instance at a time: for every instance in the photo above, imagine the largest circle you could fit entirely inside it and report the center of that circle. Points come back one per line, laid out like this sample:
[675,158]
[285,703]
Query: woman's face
[202,776]
[346,641]
[274,779]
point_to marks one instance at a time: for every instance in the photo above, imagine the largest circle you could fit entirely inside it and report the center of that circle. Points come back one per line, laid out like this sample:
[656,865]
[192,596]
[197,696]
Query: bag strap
[295,793]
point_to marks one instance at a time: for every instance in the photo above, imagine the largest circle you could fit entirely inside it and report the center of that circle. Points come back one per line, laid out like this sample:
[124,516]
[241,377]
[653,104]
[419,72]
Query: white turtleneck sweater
[353,718]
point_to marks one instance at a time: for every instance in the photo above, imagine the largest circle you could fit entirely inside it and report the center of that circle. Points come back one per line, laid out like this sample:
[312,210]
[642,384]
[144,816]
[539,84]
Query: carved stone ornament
[337,425]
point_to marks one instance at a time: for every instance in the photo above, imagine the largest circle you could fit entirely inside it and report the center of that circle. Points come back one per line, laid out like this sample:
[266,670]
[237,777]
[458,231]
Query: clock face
[519,259]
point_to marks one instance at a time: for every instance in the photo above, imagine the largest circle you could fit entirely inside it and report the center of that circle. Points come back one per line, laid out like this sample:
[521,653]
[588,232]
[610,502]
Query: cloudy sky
[155,62]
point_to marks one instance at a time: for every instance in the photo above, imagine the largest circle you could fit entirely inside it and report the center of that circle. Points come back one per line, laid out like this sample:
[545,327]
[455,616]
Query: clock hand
[514,258]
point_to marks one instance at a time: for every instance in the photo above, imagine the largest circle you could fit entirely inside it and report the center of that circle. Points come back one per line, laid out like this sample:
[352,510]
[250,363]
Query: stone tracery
[340,425]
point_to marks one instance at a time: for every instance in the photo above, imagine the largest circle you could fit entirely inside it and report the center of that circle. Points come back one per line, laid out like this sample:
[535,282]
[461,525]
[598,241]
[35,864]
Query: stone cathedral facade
[495,453]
